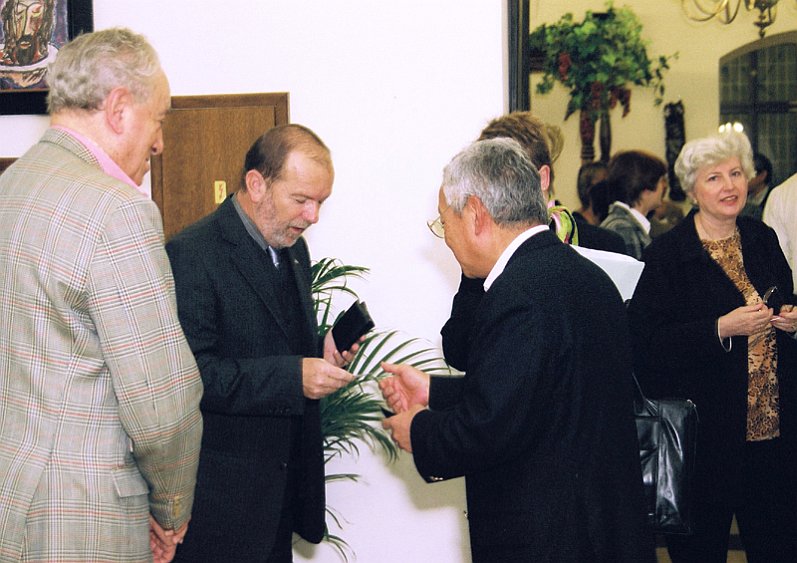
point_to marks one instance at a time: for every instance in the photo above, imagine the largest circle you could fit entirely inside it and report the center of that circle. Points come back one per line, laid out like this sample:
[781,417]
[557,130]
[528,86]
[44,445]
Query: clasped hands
[751,319]
[406,392]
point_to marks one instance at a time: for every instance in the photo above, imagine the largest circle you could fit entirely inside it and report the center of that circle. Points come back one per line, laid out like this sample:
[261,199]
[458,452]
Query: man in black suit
[544,437]
[242,277]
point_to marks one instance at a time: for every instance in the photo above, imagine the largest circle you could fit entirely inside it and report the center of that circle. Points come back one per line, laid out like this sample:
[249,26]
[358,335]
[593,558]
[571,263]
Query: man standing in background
[99,394]
[759,187]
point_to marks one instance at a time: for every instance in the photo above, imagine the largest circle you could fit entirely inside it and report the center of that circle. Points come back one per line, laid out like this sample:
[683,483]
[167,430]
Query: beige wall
[693,77]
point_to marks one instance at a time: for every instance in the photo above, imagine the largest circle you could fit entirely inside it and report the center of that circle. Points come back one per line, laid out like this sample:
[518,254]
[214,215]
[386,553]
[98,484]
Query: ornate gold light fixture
[727,10]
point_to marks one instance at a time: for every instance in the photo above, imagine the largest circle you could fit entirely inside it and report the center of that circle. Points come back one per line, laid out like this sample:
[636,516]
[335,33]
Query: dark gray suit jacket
[231,311]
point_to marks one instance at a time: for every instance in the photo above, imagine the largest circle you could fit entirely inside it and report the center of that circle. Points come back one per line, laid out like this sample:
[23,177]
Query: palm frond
[332,477]
[330,278]
[337,542]
[328,273]
[351,416]
[340,545]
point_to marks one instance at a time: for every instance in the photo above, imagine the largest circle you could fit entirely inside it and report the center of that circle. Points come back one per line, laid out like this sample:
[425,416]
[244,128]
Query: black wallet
[351,325]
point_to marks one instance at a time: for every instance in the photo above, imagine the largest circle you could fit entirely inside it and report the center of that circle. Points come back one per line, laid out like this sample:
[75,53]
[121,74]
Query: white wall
[693,77]
[395,89]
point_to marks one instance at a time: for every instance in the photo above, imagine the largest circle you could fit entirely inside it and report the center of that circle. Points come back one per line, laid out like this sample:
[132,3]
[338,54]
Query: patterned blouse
[763,422]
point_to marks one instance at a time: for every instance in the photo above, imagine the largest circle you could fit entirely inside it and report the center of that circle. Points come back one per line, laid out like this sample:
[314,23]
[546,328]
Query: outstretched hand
[407,386]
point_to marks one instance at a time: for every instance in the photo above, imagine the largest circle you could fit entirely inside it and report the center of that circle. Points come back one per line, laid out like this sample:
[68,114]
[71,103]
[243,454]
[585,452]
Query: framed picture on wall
[32,31]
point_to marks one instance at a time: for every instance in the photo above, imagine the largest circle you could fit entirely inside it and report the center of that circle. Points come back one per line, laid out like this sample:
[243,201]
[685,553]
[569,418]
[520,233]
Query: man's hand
[334,357]
[407,387]
[320,378]
[399,427]
[163,543]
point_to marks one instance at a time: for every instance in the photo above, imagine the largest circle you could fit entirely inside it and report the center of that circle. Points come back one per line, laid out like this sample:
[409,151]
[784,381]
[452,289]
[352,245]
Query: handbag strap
[639,397]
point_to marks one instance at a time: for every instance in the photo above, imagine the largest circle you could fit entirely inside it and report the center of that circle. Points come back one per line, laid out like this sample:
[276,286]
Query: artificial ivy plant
[598,59]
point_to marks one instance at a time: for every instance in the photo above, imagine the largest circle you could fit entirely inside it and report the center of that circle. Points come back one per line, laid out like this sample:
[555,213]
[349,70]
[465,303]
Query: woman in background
[702,331]
[588,175]
[637,182]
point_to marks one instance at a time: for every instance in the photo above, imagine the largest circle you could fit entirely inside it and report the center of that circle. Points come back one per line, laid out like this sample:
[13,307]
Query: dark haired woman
[637,183]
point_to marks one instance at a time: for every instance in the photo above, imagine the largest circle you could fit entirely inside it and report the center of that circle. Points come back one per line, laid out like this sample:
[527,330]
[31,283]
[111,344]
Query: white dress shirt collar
[498,269]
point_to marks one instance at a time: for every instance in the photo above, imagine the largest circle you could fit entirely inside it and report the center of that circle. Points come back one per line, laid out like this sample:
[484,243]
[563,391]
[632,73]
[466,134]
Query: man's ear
[545,179]
[256,185]
[116,107]
[479,218]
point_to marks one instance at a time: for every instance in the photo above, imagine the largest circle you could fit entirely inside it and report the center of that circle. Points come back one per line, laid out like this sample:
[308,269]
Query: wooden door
[206,139]
[5,162]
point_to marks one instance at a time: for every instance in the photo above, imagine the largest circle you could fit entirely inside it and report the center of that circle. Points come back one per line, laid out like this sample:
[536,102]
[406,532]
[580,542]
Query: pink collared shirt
[106,162]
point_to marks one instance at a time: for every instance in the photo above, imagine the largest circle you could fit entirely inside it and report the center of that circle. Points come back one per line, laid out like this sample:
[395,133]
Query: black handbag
[667,434]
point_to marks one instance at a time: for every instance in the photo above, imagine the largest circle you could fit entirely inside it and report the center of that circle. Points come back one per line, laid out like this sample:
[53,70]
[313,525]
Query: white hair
[709,151]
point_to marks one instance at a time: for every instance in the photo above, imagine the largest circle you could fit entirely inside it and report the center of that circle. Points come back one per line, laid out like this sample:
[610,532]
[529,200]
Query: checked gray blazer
[99,392]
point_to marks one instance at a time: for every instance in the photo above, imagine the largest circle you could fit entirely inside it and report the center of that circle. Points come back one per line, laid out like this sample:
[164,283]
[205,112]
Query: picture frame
[78,18]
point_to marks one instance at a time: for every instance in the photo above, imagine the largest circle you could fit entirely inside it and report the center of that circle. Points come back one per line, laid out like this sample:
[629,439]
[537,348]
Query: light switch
[219,191]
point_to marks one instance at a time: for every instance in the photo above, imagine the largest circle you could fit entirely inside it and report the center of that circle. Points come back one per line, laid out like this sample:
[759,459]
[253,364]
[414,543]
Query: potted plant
[598,60]
[351,416]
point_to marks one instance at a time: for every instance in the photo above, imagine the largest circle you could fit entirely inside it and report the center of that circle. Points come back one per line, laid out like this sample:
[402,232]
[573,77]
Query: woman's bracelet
[721,339]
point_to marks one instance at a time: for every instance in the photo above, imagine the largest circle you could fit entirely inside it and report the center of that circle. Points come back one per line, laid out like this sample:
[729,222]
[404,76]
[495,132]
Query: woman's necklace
[718,234]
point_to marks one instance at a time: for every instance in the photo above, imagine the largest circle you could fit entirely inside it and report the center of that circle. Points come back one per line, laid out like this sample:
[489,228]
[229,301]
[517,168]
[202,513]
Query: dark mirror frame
[80,19]
[518,60]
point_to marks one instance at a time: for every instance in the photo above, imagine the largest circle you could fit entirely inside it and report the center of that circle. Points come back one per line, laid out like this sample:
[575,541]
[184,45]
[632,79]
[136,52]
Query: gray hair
[499,172]
[709,151]
[87,68]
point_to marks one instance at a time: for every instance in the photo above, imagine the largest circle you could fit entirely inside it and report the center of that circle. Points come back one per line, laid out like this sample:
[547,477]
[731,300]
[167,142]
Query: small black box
[351,325]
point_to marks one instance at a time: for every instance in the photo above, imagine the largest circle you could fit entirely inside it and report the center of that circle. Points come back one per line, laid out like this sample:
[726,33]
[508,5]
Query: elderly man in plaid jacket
[99,392]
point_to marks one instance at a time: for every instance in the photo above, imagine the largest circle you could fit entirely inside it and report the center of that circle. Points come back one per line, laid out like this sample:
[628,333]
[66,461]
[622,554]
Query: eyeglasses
[773,300]
[436,226]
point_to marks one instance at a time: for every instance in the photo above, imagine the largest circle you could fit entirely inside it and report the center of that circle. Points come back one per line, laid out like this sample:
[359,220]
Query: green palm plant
[351,416]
